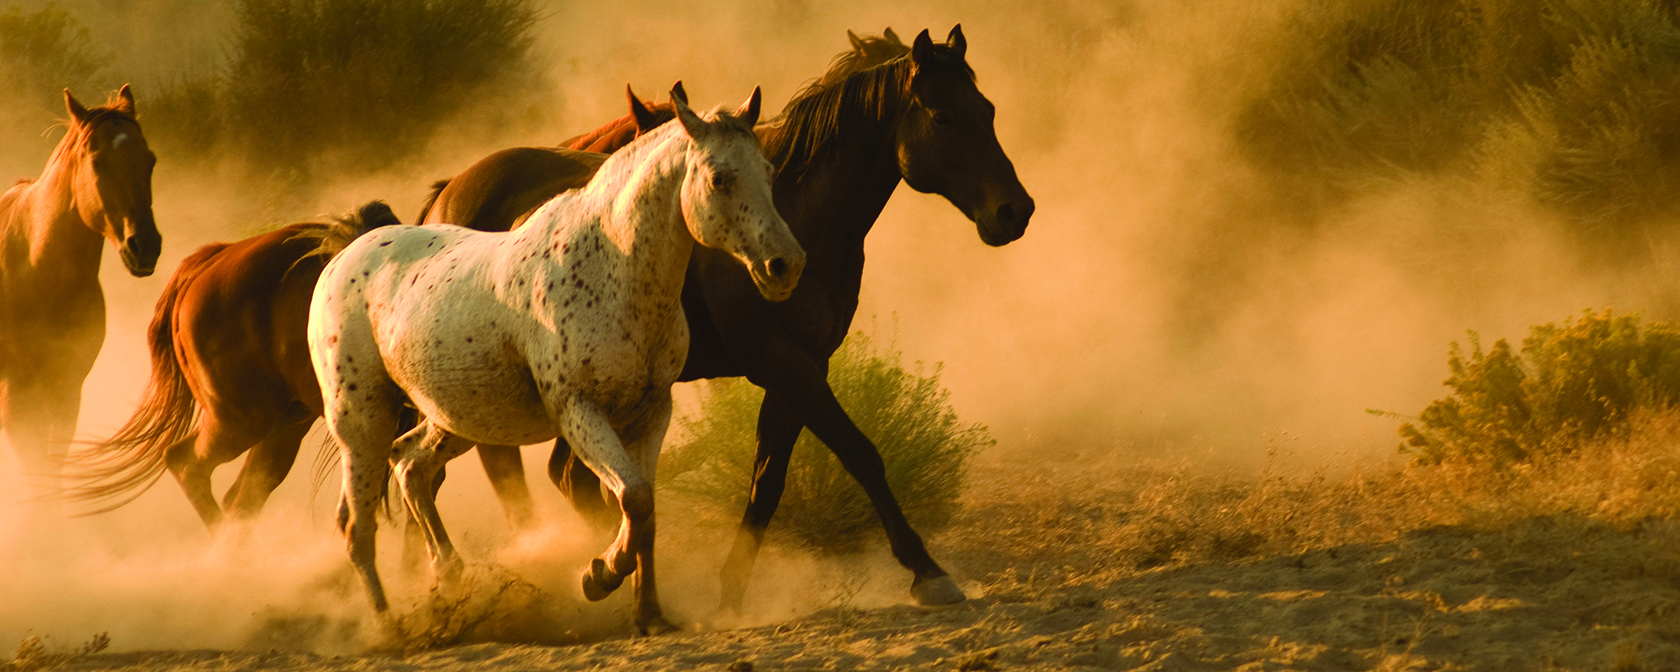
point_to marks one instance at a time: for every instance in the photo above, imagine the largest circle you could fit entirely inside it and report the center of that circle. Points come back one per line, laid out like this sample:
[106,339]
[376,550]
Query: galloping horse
[570,325]
[840,149]
[228,350]
[97,184]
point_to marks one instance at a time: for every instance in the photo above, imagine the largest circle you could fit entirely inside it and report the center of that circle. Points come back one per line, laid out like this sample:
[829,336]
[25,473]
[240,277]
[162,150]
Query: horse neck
[58,234]
[638,192]
[835,190]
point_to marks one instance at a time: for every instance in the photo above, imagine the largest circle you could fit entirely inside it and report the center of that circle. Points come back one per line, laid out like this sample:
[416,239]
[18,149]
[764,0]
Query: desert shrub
[1576,102]
[346,84]
[1571,383]
[907,414]
[45,51]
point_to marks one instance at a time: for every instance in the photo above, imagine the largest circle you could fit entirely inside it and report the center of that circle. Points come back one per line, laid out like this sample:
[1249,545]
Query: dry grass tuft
[33,653]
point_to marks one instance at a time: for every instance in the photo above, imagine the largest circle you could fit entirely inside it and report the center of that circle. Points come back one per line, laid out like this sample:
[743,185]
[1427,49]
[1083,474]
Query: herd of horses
[543,293]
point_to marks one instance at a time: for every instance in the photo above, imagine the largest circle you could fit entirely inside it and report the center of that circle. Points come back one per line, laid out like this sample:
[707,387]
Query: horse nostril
[1006,214]
[778,267]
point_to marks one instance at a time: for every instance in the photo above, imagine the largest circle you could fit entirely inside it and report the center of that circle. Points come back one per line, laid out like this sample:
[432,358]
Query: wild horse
[569,326]
[840,150]
[230,373]
[97,184]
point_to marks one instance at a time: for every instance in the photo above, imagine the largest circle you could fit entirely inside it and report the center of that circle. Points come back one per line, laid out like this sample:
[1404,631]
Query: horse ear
[645,120]
[923,46]
[125,101]
[957,42]
[748,111]
[77,112]
[857,44]
[891,36]
[690,121]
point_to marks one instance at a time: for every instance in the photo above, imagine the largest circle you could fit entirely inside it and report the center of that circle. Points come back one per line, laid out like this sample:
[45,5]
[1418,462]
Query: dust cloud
[1166,299]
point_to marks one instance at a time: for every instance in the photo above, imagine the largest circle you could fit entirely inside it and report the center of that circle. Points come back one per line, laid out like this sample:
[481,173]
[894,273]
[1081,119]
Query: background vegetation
[906,413]
[303,87]
[1574,102]
[1570,384]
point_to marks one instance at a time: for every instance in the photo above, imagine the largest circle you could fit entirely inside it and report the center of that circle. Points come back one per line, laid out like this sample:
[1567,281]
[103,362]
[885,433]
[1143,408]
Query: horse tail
[120,469]
[431,200]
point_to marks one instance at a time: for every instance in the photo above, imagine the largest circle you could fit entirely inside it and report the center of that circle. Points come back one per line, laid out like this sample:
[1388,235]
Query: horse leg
[268,463]
[585,426]
[420,455]
[581,487]
[801,382]
[778,430]
[41,422]
[193,459]
[644,454]
[364,429]
[507,477]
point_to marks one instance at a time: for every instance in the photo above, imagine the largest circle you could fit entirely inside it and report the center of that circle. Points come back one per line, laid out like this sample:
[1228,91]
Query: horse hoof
[655,626]
[937,592]
[598,583]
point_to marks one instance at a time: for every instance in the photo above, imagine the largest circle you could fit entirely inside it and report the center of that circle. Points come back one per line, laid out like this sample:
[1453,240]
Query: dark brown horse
[97,185]
[840,150]
[230,373]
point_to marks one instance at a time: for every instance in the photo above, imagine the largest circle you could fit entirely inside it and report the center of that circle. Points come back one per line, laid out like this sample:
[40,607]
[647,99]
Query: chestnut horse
[841,149]
[230,373]
[97,184]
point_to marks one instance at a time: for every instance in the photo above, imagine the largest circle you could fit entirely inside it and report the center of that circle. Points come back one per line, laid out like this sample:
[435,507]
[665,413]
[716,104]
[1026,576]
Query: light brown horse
[230,373]
[96,185]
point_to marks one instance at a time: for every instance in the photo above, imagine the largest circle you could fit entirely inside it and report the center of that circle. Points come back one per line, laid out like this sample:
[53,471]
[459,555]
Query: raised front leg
[586,427]
[778,430]
[800,382]
[507,477]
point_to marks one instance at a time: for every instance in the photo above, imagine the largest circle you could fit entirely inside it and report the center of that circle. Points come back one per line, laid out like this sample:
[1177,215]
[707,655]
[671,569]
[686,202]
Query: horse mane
[814,119]
[431,200]
[336,234]
[866,52]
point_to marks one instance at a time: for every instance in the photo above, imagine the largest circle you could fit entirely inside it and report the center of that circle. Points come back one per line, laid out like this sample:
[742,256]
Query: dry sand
[1081,578]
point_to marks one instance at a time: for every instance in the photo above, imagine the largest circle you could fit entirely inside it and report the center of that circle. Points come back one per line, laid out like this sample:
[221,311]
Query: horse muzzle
[140,252]
[776,277]
[1006,223]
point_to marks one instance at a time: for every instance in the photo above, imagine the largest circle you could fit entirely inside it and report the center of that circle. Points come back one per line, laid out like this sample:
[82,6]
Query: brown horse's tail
[431,200]
[120,469]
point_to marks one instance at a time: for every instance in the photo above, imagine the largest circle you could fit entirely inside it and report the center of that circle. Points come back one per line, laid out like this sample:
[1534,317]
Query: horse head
[112,179]
[726,199]
[948,146]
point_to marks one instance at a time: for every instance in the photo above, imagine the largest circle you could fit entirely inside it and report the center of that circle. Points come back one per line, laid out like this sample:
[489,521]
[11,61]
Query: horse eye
[942,119]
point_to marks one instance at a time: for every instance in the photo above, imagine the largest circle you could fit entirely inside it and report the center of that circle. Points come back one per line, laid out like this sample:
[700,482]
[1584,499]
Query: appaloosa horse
[230,373]
[840,149]
[569,326]
[97,185]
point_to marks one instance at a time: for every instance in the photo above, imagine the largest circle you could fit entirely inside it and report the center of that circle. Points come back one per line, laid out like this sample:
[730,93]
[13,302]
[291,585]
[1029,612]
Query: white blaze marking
[121,137]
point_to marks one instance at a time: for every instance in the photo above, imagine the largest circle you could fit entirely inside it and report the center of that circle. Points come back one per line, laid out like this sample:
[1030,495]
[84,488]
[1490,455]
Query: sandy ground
[1076,578]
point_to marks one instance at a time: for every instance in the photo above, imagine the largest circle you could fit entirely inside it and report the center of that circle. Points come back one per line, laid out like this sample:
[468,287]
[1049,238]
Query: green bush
[1576,102]
[1570,384]
[336,85]
[925,446]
